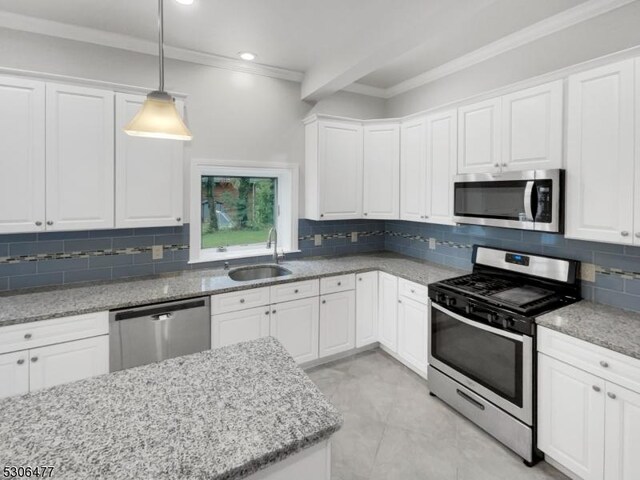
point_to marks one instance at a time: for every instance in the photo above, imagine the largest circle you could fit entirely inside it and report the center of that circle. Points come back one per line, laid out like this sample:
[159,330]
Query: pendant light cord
[161,42]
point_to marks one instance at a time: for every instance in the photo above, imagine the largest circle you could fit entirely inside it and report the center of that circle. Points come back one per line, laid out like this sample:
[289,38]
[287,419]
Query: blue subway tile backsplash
[56,258]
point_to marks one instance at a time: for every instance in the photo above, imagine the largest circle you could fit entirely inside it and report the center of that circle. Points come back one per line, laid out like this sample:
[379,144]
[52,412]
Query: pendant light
[158,117]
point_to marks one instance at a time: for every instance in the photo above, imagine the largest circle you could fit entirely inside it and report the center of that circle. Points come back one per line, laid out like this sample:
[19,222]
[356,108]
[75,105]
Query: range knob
[469,309]
[440,297]
[451,302]
[492,317]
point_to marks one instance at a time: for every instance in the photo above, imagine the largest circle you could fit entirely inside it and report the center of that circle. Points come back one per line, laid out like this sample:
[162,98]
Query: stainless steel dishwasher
[148,334]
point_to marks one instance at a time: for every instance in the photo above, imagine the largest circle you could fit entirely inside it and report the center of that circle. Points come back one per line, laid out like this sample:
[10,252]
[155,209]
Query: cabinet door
[149,173]
[340,170]
[442,153]
[636,220]
[622,438]
[14,374]
[571,414]
[381,171]
[600,149]
[295,324]
[337,322]
[479,137]
[413,318]
[532,128]
[80,159]
[242,326]
[68,362]
[388,311]
[22,160]
[366,308]
[413,170]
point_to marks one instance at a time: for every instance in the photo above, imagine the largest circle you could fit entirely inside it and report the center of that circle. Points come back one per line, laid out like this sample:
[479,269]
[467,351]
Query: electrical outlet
[588,272]
[317,239]
[432,243]
[354,237]
[157,252]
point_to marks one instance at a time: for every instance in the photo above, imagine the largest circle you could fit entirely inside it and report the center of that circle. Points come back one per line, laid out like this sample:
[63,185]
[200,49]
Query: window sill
[206,257]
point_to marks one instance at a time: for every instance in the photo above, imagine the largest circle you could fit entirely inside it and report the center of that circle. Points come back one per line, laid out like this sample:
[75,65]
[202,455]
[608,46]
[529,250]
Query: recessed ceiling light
[185,2]
[247,56]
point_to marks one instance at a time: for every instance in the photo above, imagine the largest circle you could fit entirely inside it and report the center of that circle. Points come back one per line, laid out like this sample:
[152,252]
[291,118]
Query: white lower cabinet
[14,373]
[366,309]
[622,434]
[296,324]
[337,322]
[388,311]
[68,362]
[413,328]
[241,326]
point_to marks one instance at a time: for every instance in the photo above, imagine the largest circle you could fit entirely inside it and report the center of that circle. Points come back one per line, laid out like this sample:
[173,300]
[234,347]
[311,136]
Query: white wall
[233,116]
[608,33]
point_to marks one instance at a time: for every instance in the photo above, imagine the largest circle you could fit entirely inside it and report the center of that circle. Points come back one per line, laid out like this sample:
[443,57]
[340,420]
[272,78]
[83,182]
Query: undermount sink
[257,272]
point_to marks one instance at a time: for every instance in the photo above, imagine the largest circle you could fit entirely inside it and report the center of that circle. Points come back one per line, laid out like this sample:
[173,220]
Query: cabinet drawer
[604,363]
[242,300]
[339,283]
[57,330]
[294,291]
[415,291]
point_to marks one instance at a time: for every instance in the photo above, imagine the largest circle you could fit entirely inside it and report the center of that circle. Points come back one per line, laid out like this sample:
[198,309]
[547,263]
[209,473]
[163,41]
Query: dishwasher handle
[160,312]
[162,316]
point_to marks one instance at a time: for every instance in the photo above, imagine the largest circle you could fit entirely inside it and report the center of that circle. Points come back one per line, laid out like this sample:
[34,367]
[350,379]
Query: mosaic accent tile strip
[96,253]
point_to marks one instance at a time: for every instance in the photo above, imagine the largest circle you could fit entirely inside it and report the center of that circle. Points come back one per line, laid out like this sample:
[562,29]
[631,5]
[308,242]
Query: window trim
[287,200]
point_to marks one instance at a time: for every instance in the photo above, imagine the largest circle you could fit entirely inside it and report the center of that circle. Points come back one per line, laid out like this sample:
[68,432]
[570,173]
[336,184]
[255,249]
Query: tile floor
[393,429]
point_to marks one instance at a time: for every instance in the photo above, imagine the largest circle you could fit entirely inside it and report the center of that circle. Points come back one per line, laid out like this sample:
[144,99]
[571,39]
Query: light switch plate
[432,243]
[588,272]
[157,252]
[354,237]
[317,239]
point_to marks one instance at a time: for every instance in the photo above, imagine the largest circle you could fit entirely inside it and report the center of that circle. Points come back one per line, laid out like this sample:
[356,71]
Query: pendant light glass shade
[158,118]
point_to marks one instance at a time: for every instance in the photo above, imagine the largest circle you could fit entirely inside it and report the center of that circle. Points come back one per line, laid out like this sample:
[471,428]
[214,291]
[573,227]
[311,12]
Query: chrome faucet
[273,237]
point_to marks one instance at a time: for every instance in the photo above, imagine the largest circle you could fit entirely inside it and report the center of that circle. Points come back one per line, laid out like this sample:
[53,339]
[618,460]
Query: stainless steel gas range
[482,339]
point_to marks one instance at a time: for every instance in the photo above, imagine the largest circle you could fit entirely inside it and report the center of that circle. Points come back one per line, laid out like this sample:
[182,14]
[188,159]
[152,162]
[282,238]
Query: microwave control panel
[543,210]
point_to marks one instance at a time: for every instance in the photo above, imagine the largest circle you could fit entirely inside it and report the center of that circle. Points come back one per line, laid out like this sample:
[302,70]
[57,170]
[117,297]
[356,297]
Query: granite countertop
[219,414]
[66,301]
[609,327]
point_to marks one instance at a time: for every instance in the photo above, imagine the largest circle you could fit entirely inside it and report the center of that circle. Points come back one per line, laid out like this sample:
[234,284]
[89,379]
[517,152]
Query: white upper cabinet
[600,154]
[479,137]
[532,128]
[413,169]
[442,133]
[149,173]
[22,155]
[381,171]
[79,158]
[333,170]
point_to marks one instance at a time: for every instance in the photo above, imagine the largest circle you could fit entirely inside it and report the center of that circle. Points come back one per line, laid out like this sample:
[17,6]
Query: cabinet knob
[296,291]
[242,300]
[359,279]
[34,359]
[21,361]
[624,233]
[267,312]
[324,301]
[504,164]
[339,283]
[399,301]
[611,395]
[38,223]
[273,311]
[413,290]
[178,219]
[49,222]
[426,216]
[421,216]
[366,214]
[322,215]
[27,336]
[637,234]
[497,165]
[604,364]
[596,388]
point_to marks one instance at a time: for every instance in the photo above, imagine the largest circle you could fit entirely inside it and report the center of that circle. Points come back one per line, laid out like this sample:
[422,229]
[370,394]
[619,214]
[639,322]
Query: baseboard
[409,365]
[338,356]
[561,468]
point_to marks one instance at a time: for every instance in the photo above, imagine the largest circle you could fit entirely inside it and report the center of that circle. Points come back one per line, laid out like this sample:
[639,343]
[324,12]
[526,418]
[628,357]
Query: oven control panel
[517,259]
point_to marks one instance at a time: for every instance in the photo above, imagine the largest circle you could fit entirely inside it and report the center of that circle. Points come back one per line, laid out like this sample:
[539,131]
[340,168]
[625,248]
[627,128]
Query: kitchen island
[220,414]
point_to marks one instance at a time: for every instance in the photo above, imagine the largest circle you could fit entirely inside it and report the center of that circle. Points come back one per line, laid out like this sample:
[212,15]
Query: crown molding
[369,90]
[543,28]
[67,31]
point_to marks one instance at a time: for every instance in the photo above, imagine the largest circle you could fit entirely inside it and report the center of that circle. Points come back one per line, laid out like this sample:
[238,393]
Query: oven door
[496,364]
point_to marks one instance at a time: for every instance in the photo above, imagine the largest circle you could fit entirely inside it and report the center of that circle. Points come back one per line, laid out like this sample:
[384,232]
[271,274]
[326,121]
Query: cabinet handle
[27,336]
[242,300]
[38,223]
[624,233]
[596,388]
[611,395]
[178,219]
[604,364]
[34,359]
[21,361]
[49,222]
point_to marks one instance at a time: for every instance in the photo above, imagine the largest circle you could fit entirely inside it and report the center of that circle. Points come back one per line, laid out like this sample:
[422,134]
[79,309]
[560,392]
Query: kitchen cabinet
[479,137]
[14,374]
[337,322]
[413,169]
[381,181]
[413,326]
[366,309]
[239,326]
[68,362]
[333,169]
[600,155]
[388,311]
[22,155]
[79,158]
[622,434]
[149,173]
[296,325]
[442,154]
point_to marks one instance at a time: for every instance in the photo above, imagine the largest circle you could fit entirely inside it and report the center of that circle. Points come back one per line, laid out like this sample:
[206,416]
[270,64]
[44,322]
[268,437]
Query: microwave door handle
[528,197]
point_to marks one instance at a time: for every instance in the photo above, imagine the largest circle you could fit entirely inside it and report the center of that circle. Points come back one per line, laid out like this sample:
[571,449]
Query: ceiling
[335,43]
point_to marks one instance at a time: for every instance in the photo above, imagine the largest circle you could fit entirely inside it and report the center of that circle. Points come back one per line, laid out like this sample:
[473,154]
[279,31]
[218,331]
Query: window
[234,207]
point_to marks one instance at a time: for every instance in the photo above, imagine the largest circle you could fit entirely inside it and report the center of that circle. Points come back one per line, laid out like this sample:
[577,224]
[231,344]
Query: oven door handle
[528,196]
[471,323]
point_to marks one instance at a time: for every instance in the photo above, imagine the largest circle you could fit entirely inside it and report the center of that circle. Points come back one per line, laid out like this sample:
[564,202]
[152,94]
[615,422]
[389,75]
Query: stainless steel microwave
[529,200]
